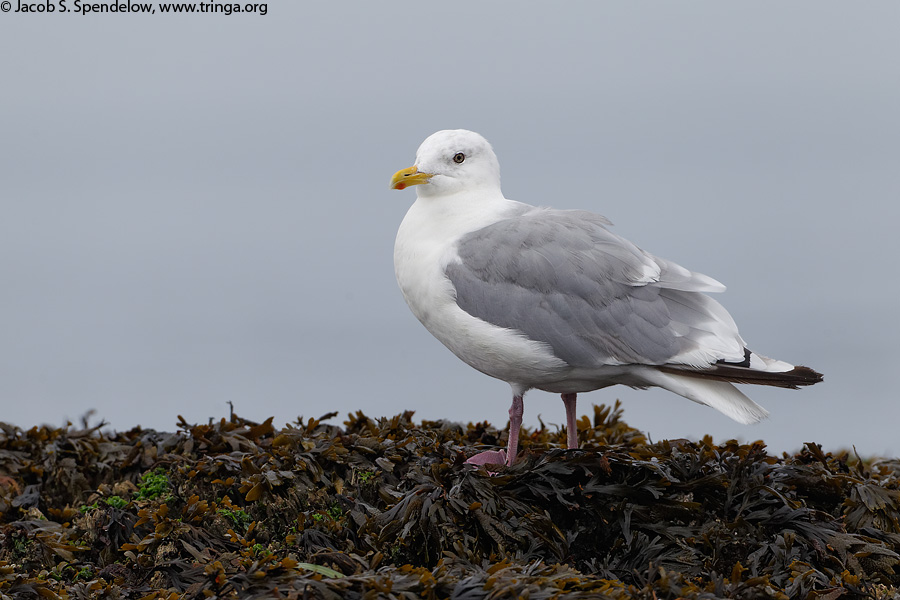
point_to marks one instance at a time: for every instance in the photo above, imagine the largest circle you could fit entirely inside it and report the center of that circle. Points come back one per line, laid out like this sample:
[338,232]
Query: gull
[551,299]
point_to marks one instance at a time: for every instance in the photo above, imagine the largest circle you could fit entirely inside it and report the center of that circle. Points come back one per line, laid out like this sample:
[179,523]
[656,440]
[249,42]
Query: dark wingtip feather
[793,379]
[808,376]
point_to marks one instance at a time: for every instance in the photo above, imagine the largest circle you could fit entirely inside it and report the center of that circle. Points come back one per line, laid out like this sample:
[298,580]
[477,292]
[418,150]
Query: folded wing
[596,299]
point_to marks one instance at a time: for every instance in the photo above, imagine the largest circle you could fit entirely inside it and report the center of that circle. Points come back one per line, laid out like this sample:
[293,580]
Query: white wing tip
[769,365]
[710,285]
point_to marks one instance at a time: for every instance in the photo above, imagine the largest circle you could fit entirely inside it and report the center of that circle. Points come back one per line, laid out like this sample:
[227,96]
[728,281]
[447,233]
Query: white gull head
[449,162]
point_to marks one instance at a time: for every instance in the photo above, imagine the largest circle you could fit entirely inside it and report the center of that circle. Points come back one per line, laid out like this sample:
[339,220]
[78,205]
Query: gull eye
[459,157]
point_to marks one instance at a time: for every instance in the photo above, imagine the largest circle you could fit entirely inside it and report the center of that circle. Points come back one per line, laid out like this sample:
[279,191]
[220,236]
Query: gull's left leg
[508,456]
[571,427]
[515,424]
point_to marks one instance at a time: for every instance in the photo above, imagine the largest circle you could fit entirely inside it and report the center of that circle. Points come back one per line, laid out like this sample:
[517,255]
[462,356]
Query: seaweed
[388,508]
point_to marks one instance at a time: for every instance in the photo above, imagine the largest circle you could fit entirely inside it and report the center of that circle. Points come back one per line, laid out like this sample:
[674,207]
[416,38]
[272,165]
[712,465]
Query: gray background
[195,209]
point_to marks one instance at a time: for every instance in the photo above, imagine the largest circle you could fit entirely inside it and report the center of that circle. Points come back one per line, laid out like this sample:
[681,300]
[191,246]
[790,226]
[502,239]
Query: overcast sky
[195,209]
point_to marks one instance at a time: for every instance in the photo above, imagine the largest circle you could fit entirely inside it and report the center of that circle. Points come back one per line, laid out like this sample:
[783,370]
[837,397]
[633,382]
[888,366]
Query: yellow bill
[407,177]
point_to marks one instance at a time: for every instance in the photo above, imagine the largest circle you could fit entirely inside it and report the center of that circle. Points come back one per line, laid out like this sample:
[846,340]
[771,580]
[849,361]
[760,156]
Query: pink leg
[508,456]
[515,423]
[571,427]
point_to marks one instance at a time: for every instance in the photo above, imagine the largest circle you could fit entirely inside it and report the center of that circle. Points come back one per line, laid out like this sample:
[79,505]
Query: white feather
[720,395]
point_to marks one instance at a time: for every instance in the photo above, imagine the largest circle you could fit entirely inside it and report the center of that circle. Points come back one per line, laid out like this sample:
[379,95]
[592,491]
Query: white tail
[720,395]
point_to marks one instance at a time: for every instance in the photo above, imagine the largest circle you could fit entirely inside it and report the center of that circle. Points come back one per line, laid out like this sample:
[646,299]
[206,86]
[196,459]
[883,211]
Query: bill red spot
[400,186]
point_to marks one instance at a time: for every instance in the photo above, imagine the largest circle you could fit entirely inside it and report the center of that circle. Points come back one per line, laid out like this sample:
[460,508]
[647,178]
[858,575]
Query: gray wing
[562,278]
